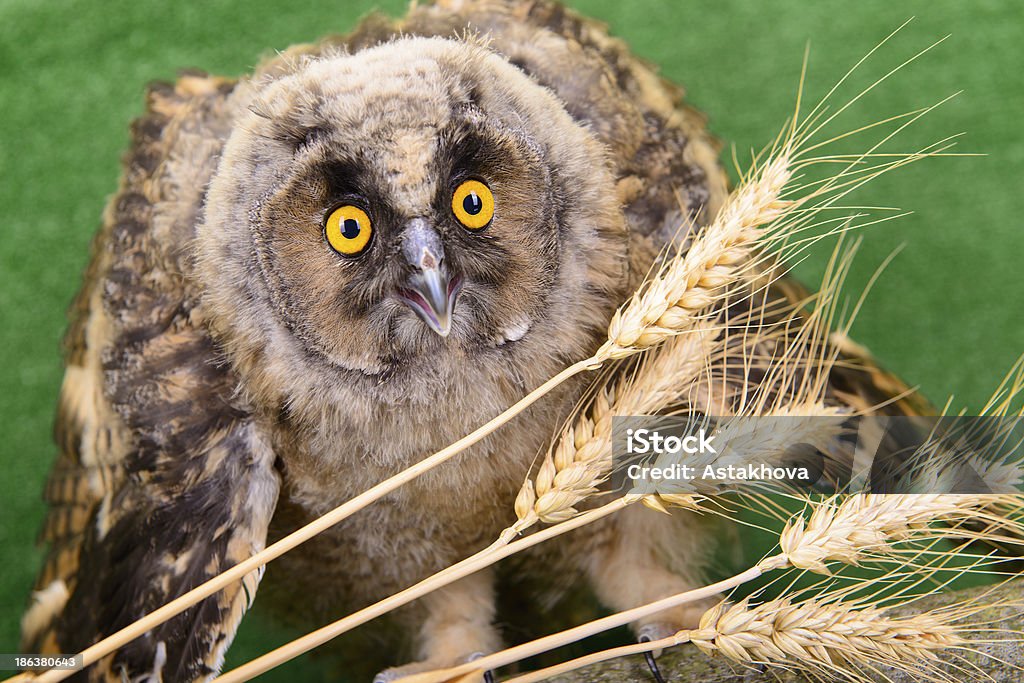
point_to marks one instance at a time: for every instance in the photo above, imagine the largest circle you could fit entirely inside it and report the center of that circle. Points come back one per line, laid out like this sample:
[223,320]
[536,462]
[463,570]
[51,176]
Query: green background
[945,315]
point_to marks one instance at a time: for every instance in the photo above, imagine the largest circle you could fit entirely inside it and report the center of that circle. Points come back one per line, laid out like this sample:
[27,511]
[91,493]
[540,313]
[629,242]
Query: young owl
[313,277]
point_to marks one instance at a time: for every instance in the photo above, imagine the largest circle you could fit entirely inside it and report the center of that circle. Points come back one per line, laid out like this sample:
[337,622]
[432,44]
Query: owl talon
[399,672]
[652,664]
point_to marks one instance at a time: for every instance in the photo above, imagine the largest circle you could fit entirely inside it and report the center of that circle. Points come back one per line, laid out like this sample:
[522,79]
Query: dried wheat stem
[869,524]
[514,654]
[581,458]
[820,634]
[688,284]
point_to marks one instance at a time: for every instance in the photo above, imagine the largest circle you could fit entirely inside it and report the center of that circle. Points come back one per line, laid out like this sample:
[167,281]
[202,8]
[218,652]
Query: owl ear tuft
[302,137]
[298,135]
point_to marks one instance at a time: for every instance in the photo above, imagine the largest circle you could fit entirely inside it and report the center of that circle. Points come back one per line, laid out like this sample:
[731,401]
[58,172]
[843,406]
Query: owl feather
[163,479]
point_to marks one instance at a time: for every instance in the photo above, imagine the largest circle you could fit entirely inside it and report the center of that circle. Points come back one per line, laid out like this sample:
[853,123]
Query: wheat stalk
[685,286]
[820,634]
[862,525]
[581,460]
[813,635]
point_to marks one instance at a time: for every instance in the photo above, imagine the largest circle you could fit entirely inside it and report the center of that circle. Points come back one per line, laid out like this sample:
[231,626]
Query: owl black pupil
[350,228]
[472,204]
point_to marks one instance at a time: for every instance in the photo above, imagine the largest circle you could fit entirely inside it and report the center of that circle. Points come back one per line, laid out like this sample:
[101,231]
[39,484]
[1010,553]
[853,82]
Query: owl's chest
[454,508]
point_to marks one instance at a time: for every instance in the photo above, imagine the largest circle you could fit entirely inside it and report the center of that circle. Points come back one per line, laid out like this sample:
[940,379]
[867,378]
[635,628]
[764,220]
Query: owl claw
[397,673]
[652,664]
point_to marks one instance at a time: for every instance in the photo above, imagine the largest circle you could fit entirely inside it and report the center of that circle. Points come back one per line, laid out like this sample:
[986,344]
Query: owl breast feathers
[314,276]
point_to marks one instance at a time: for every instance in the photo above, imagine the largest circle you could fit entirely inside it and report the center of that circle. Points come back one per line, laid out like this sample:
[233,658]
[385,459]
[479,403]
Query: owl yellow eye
[473,204]
[348,230]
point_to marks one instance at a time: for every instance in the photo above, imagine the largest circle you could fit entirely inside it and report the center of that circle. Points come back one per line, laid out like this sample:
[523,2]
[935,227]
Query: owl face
[416,203]
[422,237]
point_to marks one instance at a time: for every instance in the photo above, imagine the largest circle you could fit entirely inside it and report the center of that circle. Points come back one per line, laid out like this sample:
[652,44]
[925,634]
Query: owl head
[413,209]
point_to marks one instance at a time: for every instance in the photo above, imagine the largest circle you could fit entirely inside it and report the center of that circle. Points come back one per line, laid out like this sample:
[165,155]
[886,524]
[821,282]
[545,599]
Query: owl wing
[163,479]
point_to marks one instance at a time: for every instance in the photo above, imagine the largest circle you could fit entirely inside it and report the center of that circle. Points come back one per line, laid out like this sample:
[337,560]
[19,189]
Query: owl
[312,277]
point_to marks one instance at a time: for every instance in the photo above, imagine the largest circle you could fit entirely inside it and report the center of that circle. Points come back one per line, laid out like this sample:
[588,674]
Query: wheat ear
[865,525]
[811,635]
[687,285]
[823,636]
[820,634]
[581,458]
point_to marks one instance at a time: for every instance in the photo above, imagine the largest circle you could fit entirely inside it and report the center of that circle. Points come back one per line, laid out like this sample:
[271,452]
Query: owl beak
[430,291]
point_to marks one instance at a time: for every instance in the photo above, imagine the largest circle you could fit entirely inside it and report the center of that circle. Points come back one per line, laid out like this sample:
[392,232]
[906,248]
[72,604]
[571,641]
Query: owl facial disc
[430,290]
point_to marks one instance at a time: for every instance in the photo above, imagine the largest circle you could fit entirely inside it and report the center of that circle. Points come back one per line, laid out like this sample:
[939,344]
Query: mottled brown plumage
[229,376]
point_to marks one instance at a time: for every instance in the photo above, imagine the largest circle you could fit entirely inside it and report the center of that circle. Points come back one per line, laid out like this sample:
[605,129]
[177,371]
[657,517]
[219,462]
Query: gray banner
[10,662]
[707,455]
